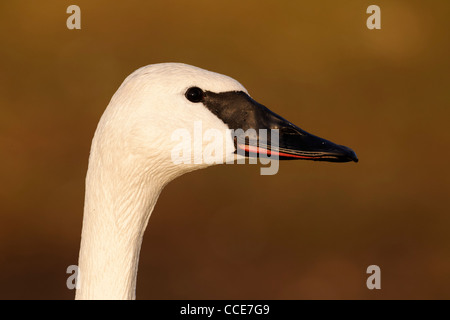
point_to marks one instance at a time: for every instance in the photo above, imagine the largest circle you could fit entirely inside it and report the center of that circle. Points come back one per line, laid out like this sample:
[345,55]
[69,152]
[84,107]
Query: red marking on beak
[258,150]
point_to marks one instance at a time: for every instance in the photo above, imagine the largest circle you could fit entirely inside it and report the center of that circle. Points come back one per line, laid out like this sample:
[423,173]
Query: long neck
[118,205]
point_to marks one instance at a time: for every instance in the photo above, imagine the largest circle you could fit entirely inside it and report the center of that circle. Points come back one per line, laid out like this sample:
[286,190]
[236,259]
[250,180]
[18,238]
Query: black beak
[239,111]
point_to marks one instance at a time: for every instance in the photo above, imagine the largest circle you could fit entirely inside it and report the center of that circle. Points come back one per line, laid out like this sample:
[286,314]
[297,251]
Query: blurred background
[308,232]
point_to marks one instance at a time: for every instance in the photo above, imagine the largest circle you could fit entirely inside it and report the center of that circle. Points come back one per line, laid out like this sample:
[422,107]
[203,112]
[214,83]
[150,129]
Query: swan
[131,160]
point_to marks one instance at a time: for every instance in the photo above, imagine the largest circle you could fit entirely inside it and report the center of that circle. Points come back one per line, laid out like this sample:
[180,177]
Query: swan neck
[115,218]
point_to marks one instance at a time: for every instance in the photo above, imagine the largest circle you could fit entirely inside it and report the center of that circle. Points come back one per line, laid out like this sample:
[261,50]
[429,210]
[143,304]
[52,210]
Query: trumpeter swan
[131,161]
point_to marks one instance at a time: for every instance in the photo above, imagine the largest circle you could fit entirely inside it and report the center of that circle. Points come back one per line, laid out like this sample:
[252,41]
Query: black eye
[194,94]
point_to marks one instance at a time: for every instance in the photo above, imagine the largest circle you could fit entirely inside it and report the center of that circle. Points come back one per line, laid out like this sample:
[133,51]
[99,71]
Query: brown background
[226,232]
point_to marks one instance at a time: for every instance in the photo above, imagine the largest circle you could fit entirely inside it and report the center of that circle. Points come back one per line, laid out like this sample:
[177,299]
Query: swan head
[161,123]
[166,118]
